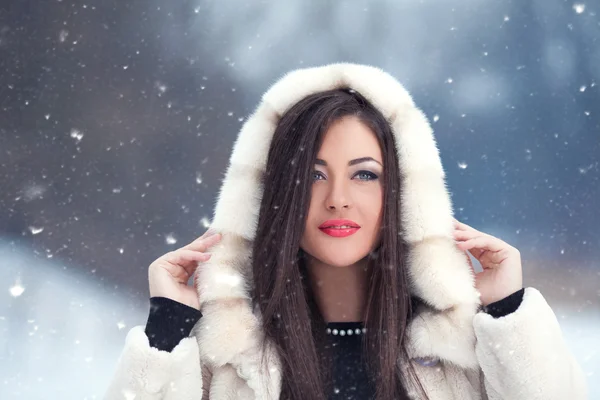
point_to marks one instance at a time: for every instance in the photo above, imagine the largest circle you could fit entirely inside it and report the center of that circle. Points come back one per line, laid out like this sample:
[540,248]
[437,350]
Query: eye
[316,173]
[370,176]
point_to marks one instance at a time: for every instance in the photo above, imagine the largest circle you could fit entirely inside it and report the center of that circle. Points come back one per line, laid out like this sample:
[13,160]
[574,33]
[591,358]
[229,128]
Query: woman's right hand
[168,275]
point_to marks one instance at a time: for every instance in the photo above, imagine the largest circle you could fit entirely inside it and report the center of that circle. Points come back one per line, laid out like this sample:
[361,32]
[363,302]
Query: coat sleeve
[160,361]
[524,356]
[147,373]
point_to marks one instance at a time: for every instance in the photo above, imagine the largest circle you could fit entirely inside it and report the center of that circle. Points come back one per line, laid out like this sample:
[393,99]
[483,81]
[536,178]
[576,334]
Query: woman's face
[345,187]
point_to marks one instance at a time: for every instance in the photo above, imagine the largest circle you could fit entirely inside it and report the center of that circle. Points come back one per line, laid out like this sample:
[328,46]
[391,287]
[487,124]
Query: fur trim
[523,354]
[439,271]
[143,371]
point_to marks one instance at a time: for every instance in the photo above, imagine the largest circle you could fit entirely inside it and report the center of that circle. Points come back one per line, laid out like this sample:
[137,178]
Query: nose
[333,207]
[338,198]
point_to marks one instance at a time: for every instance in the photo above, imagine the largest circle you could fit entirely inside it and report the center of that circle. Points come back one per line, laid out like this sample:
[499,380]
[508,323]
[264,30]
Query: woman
[338,270]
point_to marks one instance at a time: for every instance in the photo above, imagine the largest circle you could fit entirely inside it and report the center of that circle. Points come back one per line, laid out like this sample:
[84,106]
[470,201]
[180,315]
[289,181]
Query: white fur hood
[439,272]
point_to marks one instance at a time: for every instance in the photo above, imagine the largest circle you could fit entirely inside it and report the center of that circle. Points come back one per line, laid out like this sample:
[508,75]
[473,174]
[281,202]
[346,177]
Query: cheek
[371,205]
[379,212]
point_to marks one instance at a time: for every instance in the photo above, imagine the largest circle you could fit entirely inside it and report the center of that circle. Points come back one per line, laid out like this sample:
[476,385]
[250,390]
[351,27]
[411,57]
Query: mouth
[340,231]
[339,227]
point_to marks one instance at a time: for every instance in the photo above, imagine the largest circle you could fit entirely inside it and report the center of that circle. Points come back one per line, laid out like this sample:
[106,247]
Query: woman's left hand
[502,273]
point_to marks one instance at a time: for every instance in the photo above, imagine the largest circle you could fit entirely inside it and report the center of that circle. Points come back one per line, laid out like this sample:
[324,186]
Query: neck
[340,292]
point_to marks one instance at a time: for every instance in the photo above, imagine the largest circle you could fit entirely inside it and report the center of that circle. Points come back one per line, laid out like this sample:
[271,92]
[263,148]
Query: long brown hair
[290,316]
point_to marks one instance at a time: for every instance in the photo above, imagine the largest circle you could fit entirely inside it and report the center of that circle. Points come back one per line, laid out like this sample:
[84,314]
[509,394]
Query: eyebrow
[351,162]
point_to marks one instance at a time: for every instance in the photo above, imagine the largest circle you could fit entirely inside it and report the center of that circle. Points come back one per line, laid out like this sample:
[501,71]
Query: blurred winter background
[117,119]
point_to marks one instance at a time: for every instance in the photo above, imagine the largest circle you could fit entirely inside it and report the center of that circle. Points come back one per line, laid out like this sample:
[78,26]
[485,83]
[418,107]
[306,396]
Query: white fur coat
[471,355]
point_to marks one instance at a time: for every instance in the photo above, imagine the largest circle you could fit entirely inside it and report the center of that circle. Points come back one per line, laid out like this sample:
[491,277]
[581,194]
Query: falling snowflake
[16,290]
[170,239]
[584,170]
[62,35]
[76,134]
[35,231]
[462,165]
[162,88]
[579,8]
[205,222]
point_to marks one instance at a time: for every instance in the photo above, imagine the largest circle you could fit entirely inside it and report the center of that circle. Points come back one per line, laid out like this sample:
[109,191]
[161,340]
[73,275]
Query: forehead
[349,138]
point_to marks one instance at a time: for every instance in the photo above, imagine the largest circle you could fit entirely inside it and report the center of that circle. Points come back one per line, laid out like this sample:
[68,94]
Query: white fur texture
[145,373]
[520,356]
[535,361]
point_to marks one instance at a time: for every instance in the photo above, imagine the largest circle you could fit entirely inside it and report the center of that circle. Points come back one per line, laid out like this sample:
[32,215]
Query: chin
[339,256]
[338,252]
[338,262]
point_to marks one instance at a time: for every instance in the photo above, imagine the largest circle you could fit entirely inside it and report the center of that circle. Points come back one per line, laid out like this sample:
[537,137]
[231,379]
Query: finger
[484,242]
[466,235]
[186,259]
[477,253]
[203,243]
[459,225]
[464,227]
[463,236]
[208,234]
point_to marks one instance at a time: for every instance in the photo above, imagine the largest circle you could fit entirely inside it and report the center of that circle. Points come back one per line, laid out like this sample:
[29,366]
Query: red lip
[332,227]
[337,232]
[338,222]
